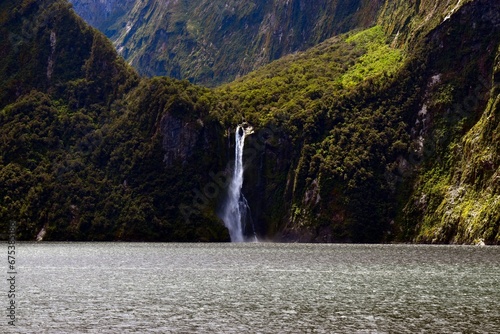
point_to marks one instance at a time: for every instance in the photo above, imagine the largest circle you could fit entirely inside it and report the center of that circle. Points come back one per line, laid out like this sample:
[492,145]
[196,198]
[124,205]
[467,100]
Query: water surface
[256,288]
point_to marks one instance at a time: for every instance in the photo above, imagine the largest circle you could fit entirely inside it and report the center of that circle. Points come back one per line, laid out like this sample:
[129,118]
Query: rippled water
[256,288]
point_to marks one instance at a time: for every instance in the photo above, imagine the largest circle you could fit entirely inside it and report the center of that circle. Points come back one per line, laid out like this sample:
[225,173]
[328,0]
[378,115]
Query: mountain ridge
[363,138]
[214,42]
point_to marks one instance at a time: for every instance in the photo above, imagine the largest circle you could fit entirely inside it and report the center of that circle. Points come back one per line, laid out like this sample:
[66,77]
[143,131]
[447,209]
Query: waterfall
[236,206]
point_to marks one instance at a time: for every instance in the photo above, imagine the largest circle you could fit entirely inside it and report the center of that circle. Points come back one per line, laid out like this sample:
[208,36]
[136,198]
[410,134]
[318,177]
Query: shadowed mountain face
[386,133]
[211,42]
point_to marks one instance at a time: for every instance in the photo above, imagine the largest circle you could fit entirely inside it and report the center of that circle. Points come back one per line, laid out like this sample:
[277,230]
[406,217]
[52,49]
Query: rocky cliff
[382,134]
[210,42]
[329,185]
[103,14]
[455,196]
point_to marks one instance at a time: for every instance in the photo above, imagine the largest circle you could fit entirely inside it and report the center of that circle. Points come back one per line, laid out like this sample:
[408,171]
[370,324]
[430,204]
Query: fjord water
[256,288]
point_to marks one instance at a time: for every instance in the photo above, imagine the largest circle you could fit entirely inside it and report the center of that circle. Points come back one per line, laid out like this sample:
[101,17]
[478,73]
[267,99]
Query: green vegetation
[81,150]
[378,59]
[341,106]
[295,84]
[213,42]
[356,140]
[455,197]
[410,21]
[459,194]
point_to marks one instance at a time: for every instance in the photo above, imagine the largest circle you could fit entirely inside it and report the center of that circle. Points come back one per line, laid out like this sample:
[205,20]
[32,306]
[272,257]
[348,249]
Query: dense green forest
[81,150]
[387,133]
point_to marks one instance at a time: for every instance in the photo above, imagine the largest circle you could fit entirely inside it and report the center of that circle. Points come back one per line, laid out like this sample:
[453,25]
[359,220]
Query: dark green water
[256,288]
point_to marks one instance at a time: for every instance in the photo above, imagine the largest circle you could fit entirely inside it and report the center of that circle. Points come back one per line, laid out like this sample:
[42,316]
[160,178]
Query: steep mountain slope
[335,138]
[408,21]
[347,169]
[455,198]
[459,200]
[38,52]
[369,136]
[103,14]
[210,42]
[83,154]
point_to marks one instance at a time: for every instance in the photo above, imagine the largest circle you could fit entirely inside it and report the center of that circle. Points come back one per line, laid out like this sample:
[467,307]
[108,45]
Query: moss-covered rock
[361,138]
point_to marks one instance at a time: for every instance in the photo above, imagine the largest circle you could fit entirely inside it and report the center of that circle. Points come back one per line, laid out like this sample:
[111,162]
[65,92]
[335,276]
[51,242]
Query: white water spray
[236,208]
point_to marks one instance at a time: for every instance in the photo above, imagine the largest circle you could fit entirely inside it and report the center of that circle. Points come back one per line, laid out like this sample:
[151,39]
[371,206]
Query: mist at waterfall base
[236,212]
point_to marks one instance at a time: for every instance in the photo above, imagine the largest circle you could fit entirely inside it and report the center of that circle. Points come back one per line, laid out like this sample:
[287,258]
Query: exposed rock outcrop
[211,42]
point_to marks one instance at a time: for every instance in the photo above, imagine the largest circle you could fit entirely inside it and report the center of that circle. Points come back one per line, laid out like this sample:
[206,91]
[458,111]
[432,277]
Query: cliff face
[406,21]
[345,178]
[210,42]
[103,14]
[387,133]
[456,196]
[470,208]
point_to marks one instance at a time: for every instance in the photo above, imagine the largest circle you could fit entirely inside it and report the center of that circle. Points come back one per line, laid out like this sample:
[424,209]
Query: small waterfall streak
[235,211]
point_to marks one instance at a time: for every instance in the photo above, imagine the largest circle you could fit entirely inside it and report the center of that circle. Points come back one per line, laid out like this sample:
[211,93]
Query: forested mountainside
[81,150]
[211,42]
[389,133]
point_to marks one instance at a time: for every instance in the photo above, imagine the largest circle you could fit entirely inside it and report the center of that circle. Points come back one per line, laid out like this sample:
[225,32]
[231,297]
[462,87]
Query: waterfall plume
[236,206]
